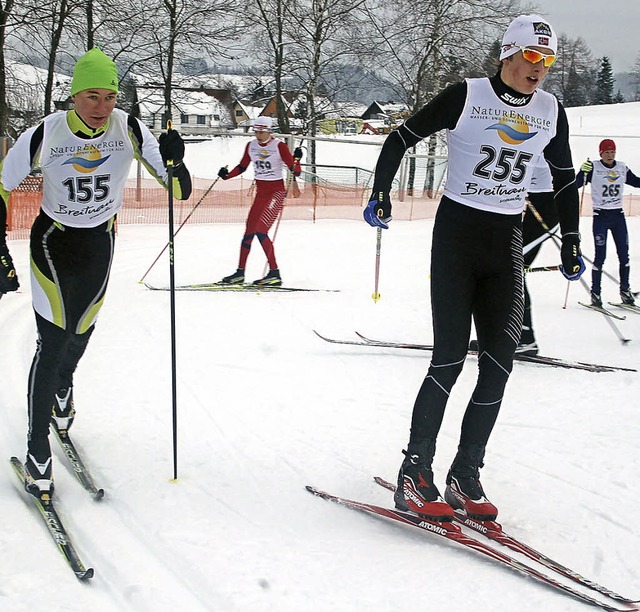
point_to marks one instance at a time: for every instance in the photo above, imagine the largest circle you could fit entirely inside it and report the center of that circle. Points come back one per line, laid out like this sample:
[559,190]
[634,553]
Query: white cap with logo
[528,31]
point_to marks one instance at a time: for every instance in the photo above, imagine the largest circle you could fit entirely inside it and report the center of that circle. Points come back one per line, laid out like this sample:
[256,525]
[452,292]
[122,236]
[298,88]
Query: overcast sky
[610,27]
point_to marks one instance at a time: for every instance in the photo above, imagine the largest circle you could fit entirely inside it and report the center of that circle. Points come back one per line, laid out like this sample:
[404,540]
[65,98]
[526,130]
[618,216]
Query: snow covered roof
[249,109]
[392,108]
[25,82]
[186,102]
[350,109]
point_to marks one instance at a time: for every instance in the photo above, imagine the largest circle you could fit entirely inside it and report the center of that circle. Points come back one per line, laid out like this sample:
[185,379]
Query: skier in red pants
[270,156]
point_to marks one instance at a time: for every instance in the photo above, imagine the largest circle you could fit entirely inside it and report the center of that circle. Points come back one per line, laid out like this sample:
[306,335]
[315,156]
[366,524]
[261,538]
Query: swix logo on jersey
[86,160]
[509,99]
[512,129]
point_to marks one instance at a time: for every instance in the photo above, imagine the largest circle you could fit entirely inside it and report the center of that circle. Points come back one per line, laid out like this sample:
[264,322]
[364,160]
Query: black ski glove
[572,263]
[171,147]
[8,275]
[223,173]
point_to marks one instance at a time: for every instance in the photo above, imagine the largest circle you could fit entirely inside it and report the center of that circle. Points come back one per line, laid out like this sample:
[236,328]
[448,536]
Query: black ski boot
[416,490]
[237,278]
[63,410]
[272,279]
[38,471]
[464,491]
[627,297]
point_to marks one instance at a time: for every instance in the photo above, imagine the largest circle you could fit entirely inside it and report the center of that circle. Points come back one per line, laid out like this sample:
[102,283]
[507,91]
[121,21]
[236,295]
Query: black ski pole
[558,243]
[172,294]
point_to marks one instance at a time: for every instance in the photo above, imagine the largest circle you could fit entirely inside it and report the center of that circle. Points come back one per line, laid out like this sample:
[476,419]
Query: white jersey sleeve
[17,163]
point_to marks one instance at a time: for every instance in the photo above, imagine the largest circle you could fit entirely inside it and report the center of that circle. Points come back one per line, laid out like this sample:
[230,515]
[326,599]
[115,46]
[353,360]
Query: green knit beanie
[94,70]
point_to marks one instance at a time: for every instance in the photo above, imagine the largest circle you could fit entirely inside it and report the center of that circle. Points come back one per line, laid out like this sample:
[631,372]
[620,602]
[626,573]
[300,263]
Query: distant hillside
[350,83]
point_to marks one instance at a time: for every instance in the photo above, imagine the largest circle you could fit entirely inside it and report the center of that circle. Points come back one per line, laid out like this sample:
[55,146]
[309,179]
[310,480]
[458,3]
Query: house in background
[195,111]
[244,113]
[297,108]
[288,98]
[25,89]
[382,117]
[203,107]
[344,118]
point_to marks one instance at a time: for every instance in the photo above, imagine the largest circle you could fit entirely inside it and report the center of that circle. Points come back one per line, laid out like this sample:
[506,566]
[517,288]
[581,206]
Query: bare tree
[184,29]
[447,40]
[571,75]
[323,32]
[120,28]
[273,16]
[6,8]
[45,25]
[444,34]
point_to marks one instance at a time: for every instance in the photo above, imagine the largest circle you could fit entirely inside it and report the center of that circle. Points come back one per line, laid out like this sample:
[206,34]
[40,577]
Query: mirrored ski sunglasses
[533,56]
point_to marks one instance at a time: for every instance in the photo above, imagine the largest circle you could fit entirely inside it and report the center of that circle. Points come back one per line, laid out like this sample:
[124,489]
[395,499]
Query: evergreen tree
[604,83]
[576,91]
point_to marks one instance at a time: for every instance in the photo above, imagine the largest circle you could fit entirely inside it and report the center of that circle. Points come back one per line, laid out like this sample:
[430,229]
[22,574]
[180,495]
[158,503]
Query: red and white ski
[493,531]
[453,532]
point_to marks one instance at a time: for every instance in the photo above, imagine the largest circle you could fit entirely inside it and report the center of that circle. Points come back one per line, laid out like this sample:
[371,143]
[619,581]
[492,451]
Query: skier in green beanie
[85,155]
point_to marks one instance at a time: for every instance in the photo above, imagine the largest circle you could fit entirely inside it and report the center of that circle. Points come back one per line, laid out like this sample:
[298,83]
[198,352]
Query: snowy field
[265,408]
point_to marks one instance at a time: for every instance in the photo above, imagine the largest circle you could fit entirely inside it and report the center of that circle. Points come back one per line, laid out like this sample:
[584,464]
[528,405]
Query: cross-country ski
[603,311]
[536,359]
[226,287]
[57,530]
[453,533]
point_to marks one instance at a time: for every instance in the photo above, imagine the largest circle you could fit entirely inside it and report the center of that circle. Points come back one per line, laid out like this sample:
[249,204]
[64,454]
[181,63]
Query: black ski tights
[58,352]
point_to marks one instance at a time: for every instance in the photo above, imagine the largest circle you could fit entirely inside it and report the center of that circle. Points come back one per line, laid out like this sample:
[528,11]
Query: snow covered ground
[265,407]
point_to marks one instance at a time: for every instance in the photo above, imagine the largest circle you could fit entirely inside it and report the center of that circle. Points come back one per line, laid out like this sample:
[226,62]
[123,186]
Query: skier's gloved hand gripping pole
[297,171]
[572,265]
[8,275]
[572,259]
[377,213]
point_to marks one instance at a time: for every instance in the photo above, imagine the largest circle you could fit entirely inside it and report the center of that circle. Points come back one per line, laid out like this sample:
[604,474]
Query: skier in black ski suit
[496,129]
